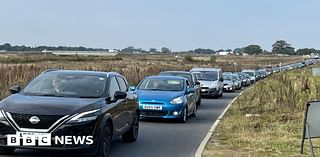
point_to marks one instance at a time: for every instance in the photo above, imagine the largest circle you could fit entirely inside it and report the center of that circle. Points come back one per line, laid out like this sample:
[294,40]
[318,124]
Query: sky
[177,24]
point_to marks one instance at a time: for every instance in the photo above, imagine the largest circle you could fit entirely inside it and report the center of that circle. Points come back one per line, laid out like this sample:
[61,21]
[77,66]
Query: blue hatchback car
[169,97]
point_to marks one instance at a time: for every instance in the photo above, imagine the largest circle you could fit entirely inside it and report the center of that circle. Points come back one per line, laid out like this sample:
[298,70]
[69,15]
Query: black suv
[71,103]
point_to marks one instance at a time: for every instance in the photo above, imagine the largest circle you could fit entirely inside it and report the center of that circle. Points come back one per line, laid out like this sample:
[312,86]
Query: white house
[224,53]
[113,50]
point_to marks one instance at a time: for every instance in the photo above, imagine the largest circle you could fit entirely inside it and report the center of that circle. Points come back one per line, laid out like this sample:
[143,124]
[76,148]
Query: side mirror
[190,90]
[120,95]
[221,79]
[15,89]
[197,83]
[132,88]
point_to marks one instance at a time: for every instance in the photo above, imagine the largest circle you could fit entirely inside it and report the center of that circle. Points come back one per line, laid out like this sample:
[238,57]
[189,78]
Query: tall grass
[275,129]
[20,68]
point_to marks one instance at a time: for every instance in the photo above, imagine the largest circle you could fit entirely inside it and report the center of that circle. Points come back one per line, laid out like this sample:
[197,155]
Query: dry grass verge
[274,128]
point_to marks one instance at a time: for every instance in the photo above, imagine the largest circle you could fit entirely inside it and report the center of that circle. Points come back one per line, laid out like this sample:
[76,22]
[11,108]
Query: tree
[204,51]
[220,50]
[307,51]
[154,50]
[238,50]
[165,50]
[5,46]
[8,47]
[228,50]
[252,49]
[282,47]
[129,49]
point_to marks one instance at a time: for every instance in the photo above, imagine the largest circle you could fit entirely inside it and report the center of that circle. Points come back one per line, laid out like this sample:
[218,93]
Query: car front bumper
[76,130]
[209,92]
[228,88]
[167,112]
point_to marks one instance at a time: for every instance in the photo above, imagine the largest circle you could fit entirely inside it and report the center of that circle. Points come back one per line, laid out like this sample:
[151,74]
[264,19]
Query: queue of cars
[102,106]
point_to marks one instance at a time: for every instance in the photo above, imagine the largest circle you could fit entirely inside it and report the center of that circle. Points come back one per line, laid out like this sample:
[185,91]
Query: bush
[187,58]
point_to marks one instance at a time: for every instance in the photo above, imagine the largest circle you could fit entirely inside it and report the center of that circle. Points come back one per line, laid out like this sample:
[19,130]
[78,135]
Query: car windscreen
[227,77]
[251,74]
[207,75]
[66,85]
[161,84]
[235,77]
[187,76]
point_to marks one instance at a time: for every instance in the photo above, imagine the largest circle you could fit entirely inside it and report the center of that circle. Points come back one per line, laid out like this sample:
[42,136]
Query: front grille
[153,113]
[46,121]
[204,87]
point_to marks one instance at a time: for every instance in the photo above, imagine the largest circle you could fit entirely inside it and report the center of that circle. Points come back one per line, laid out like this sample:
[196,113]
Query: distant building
[84,53]
[224,53]
[46,51]
[113,50]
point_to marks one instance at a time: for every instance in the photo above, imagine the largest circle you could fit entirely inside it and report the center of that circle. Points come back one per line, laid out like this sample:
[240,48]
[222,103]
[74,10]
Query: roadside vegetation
[18,68]
[267,119]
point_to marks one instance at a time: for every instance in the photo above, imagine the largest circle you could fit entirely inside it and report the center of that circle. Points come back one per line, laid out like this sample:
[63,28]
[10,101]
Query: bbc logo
[29,140]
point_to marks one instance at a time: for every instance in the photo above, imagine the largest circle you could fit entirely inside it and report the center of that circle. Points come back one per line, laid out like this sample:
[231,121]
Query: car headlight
[83,117]
[2,118]
[177,100]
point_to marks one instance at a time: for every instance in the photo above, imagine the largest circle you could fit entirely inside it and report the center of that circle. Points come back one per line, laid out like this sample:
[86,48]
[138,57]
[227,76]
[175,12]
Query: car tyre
[132,134]
[184,116]
[199,102]
[105,144]
[221,95]
[6,151]
[194,112]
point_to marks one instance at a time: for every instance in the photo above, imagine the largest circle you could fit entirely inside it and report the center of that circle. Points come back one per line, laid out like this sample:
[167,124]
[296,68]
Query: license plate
[152,107]
[36,134]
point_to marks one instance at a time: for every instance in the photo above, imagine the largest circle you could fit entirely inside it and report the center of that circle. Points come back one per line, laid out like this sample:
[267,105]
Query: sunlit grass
[280,102]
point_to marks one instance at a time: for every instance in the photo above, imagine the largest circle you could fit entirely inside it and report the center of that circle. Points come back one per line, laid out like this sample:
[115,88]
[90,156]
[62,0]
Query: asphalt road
[158,138]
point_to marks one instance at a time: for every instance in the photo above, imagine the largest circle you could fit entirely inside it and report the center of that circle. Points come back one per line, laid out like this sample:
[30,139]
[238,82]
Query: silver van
[211,81]
[252,74]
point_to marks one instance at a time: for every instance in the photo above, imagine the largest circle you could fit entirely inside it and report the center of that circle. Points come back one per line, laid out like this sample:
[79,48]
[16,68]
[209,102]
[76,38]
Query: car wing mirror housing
[197,83]
[120,95]
[15,89]
[132,88]
[190,90]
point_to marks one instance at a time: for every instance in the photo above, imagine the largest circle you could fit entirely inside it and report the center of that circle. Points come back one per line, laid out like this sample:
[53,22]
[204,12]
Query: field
[16,68]
[274,128]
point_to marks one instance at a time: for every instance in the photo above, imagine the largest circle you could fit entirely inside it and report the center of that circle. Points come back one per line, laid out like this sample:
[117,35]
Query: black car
[68,103]
[191,78]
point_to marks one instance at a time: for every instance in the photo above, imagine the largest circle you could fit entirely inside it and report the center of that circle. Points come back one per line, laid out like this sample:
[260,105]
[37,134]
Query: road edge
[213,127]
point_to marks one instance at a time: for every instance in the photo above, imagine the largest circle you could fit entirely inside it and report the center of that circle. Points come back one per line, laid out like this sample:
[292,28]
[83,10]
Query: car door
[196,87]
[119,107]
[128,105]
[190,97]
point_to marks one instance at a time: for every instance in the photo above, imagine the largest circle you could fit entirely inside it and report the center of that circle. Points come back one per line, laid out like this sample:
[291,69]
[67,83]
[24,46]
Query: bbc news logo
[32,139]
